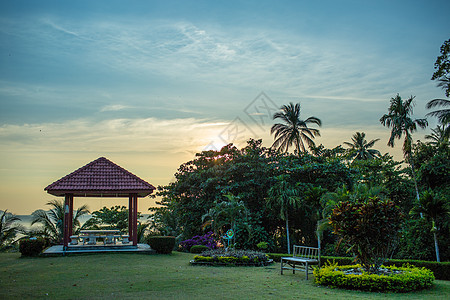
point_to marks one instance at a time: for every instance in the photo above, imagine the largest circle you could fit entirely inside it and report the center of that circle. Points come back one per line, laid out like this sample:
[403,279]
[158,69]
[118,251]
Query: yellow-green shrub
[410,279]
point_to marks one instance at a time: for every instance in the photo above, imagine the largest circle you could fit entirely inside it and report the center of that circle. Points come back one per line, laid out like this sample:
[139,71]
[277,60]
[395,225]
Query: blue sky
[150,83]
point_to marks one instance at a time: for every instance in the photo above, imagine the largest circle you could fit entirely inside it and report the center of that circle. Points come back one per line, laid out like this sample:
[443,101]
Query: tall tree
[442,67]
[283,196]
[399,119]
[433,207]
[226,213]
[360,148]
[52,221]
[293,130]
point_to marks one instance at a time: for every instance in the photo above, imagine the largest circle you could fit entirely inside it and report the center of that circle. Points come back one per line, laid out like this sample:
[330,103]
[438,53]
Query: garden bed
[221,257]
[390,279]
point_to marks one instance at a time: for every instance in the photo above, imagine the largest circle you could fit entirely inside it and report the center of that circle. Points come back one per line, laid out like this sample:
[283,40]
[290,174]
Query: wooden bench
[301,260]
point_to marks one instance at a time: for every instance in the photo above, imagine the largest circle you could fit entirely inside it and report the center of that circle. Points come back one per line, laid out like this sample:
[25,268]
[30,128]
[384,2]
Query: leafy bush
[206,240]
[262,246]
[32,246]
[198,248]
[369,228]
[440,270]
[233,257]
[162,244]
[400,280]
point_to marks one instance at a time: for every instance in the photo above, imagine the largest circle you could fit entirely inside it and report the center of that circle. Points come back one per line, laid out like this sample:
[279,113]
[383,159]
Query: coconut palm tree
[8,229]
[360,148]
[52,221]
[293,130]
[443,115]
[432,207]
[284,197]
[437,137]
[225,213]
[399,119]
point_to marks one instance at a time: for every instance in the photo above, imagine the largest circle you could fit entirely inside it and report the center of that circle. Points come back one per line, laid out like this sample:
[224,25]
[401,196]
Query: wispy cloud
[114,107]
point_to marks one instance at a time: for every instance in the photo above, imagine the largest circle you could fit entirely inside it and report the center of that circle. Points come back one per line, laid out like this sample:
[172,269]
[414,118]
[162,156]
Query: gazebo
[100,178]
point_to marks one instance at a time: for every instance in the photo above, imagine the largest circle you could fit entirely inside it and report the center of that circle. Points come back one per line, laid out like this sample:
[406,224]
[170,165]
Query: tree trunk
[318,235]
[287,234]
[436,247]
[409,157]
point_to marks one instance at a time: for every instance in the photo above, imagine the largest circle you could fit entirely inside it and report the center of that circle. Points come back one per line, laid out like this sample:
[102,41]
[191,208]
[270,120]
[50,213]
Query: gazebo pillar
[130,217]
[70,215]
[135,241]
[68,219]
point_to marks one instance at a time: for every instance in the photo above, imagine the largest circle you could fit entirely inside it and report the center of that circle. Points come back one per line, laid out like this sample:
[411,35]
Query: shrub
[402,279]
[198,249]
[232,257]
[440,270]
[262,246]
[206,240]
[162,244]
[370,229]
[32,246]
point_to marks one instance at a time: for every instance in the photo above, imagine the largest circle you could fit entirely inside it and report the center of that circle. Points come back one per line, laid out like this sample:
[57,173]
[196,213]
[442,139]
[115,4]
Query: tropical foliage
[443,116]
[293,130]
[8,229]
[399,120]
[52,221]
[435,208]
[225,214]
[442,67]
[284,196]
[360,149]
[370,229]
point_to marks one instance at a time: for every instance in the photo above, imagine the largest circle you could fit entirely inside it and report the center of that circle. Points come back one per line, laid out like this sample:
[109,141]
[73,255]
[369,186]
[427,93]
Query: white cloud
[114,107]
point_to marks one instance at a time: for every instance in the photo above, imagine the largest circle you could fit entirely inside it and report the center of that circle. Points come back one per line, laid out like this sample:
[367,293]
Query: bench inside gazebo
[100,178]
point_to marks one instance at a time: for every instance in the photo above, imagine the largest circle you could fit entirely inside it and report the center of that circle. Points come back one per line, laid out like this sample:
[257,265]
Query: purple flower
[206,240]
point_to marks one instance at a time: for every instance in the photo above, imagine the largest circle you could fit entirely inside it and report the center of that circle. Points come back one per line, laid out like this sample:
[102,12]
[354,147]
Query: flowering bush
[205,240]
[232,257]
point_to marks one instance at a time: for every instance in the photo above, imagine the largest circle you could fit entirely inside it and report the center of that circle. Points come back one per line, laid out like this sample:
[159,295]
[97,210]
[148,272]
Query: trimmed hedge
[198,248]
[441,270]
[162,244]
[404,279]
[32,246]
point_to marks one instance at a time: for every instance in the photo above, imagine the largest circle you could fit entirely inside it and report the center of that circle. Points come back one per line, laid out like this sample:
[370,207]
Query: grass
[105,276]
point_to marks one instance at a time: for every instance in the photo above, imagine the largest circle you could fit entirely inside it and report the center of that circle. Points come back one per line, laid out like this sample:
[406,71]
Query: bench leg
[281,266]
[307,271]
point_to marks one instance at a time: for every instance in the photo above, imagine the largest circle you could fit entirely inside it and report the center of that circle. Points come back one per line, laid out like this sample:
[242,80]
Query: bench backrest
[308,252]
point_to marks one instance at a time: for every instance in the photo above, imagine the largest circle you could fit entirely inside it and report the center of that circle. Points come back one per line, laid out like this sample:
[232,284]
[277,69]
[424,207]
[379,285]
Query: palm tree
[433,207]
[283,196]
[8,229]
[293,130]
[52,221]
[437,136]
[360,148]
[399,118]
[443,115]
[225,213]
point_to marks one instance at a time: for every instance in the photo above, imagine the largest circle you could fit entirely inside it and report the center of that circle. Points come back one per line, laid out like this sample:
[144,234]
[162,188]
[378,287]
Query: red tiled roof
[100,178]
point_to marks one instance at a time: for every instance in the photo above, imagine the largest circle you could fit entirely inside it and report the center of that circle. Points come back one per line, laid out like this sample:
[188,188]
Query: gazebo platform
[99,248]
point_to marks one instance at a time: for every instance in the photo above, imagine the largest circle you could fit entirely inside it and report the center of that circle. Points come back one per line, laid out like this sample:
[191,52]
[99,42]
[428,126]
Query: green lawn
[165,277]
